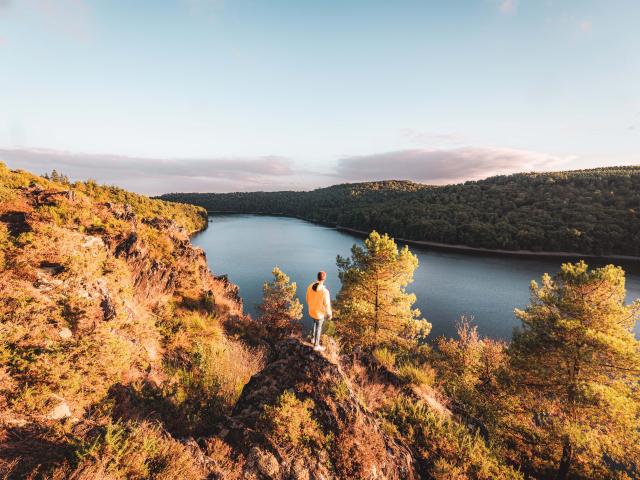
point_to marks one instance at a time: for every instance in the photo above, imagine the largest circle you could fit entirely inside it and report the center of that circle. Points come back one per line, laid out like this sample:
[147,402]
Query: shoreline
[496,252]
[452,247]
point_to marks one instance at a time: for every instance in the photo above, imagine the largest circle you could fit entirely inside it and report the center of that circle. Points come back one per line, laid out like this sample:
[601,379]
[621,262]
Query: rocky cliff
[95,283]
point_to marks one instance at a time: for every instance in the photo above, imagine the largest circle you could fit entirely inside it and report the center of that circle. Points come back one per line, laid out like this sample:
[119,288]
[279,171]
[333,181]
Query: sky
[240,95]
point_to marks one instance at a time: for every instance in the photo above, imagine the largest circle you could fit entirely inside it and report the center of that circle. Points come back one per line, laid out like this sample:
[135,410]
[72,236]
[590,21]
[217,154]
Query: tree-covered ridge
[50,188]
[592,211]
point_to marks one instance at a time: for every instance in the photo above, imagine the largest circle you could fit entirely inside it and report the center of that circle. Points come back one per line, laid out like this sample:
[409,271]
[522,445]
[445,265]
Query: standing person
[319,305]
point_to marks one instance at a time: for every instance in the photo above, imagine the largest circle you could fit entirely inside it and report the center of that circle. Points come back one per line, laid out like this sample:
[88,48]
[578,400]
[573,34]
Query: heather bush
[290,424]
[131,451]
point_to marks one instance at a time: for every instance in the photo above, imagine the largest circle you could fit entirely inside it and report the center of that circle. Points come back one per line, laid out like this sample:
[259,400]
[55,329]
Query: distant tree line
[56,177]
[585,211]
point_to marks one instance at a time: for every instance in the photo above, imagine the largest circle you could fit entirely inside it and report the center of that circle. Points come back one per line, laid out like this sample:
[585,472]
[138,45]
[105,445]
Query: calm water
[448,285]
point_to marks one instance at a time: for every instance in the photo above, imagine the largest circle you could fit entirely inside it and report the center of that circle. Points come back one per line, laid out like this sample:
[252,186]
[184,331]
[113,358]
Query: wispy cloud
[157,175]
[272,172]
[72,18]
[585,26]
[508,6]
[443,166]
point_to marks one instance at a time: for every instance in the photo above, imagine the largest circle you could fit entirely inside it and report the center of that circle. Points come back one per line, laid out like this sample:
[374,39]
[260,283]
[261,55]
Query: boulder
[60,411]
[65,333]
[264,462]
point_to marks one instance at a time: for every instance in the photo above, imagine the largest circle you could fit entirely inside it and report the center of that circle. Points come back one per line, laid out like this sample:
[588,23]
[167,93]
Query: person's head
[322,276]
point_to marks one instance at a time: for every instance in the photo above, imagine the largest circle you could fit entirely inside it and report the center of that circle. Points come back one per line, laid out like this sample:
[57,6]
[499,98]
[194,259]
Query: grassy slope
[107,314]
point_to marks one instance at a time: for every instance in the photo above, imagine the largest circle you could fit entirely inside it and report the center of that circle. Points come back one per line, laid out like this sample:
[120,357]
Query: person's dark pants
[317,330]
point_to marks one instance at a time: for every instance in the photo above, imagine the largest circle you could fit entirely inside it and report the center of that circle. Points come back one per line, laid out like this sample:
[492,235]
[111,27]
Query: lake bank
[499,252]
[454,247]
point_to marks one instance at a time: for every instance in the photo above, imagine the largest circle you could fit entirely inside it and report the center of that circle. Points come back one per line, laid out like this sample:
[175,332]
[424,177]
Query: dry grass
[355,458]
[416,374]
[372,391]
[132,452]
[58,274]
[225,464]
[206,369]
[36,306]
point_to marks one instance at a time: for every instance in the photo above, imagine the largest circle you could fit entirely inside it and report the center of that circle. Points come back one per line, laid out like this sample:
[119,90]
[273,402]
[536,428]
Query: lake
[448,285]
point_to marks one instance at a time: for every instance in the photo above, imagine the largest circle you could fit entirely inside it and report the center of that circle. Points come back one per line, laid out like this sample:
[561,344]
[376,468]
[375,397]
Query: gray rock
[65,333]
[264,462]
[60,411]
[300,470]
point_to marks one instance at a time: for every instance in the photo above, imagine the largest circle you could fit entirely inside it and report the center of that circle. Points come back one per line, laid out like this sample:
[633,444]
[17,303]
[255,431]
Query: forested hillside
[585,211]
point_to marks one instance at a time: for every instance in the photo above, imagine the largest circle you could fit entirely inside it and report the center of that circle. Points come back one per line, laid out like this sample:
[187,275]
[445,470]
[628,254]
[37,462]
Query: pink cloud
[508,6]
[585,26]
[443,166]
[272,172]
[158,175]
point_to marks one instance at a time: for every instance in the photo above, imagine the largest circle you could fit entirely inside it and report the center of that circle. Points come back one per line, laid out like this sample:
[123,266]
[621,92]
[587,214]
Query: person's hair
[322,276]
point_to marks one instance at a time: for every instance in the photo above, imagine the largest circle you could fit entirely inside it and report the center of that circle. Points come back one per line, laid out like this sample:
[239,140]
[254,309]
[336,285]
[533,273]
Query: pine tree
[373,305]
[577,367]
[280,311]
[55,176]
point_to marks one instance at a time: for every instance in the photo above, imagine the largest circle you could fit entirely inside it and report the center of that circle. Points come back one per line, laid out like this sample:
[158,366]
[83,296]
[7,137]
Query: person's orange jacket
[319,301]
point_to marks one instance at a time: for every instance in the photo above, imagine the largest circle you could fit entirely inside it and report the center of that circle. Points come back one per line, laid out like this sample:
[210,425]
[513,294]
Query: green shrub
[446,448]
[290,423]
[341,390]
[329,329]
[189,217]
[417,375]
[385,357]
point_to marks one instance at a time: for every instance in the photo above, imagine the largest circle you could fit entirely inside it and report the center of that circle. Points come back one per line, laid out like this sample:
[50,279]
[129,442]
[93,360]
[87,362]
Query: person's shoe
[319,348]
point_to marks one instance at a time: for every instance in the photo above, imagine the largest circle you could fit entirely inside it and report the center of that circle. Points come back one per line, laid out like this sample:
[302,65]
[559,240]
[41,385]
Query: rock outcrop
[358,447]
